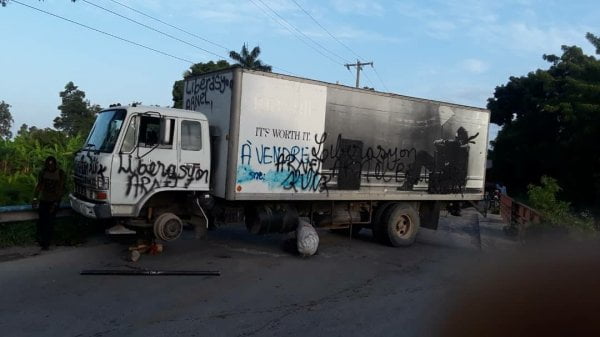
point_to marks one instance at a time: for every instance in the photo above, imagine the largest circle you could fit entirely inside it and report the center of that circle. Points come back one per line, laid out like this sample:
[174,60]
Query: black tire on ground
[379,232]
[400,224]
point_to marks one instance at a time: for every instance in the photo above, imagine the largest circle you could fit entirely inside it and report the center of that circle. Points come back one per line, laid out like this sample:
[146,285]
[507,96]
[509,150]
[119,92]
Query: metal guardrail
[18,213]
[518,216]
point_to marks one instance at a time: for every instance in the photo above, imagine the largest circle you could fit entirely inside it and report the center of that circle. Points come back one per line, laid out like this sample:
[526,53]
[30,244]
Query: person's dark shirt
[51,184]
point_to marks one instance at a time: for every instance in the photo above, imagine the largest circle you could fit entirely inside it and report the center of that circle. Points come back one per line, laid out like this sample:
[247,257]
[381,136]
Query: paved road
[351,288]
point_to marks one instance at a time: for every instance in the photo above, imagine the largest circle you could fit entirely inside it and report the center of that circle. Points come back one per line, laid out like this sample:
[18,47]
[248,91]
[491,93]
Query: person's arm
[37,190]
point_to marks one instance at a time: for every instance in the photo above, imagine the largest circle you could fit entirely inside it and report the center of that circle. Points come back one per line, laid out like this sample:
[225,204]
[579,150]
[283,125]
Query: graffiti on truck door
[145,176]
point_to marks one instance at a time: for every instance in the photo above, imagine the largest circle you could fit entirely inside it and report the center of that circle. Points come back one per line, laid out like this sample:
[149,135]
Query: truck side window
[191,136]
[129,139]
[150,133]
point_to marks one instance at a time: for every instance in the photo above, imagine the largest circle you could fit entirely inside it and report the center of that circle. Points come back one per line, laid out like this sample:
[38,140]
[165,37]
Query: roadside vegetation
[550,121]
[558,216]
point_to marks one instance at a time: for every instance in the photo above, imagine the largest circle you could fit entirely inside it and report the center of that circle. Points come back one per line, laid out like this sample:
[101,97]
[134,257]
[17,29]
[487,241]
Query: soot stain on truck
[299,169]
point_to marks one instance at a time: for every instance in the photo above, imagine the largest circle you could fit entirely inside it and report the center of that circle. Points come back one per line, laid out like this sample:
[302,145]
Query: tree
[6,120]
[249,59]
[76,113]
[196,69]
[551,126]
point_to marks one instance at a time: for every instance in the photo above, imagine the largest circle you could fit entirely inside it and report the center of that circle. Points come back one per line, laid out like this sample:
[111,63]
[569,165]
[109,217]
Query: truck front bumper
[90,209]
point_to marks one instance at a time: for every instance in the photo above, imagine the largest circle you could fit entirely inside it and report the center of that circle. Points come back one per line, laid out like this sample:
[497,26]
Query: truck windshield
[105,131]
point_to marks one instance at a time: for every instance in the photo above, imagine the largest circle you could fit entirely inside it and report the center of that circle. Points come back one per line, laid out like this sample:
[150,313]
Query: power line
[341,43]
[170,25]
[291,31]
[369,79]
[103,32]
[124,39]
[299,31]
[380,80]
[182,30]
[169,35]
[317,22]
[153,29]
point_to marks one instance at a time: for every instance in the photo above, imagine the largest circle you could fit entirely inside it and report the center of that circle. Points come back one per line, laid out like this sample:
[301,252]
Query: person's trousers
[45,224]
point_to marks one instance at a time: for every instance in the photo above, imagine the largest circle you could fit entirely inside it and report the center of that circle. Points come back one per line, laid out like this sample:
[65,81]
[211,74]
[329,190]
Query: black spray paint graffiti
[344,160]
[91,168]
[143,178]
[300,169]
[199,90]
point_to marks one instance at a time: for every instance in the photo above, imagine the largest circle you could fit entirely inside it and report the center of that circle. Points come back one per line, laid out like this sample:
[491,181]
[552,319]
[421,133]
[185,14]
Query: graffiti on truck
[144,177]
[202,91]
[314,167]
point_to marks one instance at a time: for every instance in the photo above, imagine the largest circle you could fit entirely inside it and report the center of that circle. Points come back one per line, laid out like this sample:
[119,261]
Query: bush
[557,214]
[22,158]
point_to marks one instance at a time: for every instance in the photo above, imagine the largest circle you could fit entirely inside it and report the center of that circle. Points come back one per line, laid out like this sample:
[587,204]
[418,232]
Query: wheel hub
[402,226]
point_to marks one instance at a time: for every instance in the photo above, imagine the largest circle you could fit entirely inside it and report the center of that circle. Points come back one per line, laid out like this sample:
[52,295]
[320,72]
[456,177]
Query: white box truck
[266,149]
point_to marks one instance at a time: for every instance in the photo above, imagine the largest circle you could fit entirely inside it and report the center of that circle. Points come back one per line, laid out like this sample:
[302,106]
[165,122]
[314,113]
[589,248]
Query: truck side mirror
[166,131]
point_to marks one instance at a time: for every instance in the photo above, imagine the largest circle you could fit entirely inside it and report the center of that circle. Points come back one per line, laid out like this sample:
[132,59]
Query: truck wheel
[400,224]
[168,227]
[376,223]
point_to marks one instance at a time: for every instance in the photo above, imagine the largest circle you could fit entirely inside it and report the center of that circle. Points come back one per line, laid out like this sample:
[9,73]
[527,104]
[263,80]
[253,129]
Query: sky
[452,50]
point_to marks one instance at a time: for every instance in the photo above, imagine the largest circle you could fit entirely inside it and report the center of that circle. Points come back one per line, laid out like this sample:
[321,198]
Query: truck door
[194,153]
[144,164]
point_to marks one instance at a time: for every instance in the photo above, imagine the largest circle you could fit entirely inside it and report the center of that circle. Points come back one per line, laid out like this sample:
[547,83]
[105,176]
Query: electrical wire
[299,31]
[380,80]
[290,29]
[103,32]
[327,31]
[170,25]
[154,29]
[169,35]
[341,43]
[369,79]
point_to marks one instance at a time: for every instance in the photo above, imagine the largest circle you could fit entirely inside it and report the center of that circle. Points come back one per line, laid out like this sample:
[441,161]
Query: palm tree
[249,59]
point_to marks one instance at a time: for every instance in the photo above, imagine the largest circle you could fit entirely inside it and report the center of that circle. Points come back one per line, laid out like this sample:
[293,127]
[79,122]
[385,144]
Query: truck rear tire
[168,227]
[400,224]
[376,224]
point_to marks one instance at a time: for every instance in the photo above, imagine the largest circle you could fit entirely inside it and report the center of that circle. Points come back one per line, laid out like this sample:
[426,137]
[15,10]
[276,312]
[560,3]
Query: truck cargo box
[278,137]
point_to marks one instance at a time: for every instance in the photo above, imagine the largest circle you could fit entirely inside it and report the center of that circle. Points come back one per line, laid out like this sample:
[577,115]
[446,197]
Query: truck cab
[137,154]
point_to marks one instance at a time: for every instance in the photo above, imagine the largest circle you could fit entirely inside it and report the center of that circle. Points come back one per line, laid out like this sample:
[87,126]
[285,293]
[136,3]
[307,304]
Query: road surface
[351,288]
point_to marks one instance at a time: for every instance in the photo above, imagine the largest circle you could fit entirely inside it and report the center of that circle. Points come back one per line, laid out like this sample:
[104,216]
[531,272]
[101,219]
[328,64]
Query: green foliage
[76,113]
[22,158]
[556,213]
[6,120]
[249,59]
[551,126]
[196,69]
[544,199]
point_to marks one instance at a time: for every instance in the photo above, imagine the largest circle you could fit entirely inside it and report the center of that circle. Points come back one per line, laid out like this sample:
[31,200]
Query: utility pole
[358,66]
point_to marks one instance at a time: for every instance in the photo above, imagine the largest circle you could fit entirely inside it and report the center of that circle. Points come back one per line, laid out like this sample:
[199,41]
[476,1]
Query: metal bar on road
[151,272]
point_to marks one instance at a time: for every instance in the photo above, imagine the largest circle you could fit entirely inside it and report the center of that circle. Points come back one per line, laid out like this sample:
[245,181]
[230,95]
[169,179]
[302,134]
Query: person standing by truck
[49,189]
